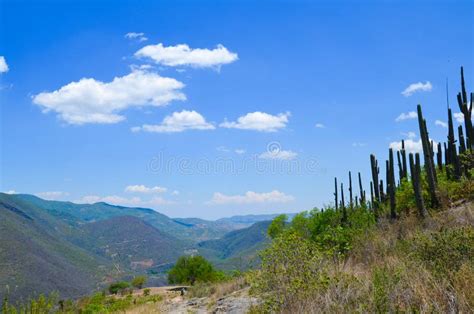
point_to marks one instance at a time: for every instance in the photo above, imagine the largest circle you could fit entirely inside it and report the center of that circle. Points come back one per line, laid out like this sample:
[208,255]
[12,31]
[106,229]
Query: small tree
[277,226]
[117,287]
[139,281]
[191,269]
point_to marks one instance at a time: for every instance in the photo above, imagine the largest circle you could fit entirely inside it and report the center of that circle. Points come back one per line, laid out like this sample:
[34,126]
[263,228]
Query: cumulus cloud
[123,201]
[3,65]
[138,36]
[441,124]
[417,87]
[406,116]
[459,116]
[319,126]
[251,198]
[410,134]
[52,195]
[10,192]
[183,55]
[93,101]
[177,122]
[145,189]
[411,146]
[259,121]
[240,151]
[278,155]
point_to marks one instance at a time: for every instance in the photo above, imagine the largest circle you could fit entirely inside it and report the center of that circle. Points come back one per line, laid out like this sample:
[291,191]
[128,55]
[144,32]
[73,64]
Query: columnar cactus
[415,169]
[391,185]
[400,167]
[361,191]
[404,160]
[351,204]
[382,194]
[439,157]
[343,205]
[375,180]
[335,193]
[429,164]
[452,151]
[466,109]
[462,141]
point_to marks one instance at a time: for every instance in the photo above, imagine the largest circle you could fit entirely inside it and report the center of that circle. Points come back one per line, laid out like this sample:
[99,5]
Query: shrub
[277,226]
[146,292]
[117,287]
[291,268]
[192,269]
[138,282]
[445,251]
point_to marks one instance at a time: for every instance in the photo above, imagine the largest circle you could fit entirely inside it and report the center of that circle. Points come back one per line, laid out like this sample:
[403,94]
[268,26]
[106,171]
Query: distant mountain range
[76,248]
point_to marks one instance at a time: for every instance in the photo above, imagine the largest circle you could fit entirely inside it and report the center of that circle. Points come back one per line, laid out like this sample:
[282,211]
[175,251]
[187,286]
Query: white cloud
[410,134]
[251,197]
[417,87]
[319,126]
[10,192]
[240,151]
[222,149]
[3,65]
[123,201]
[175,192]
[411,146]
[138,36]
[406,116]
[145,189]
[183,55]
[459,116]
[92,101]
[441,124]
[177,122]
[359,144]
[278,154]
[52,195]
[259,121]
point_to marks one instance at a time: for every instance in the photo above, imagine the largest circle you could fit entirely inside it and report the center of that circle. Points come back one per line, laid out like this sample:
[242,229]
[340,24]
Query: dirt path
[236,302]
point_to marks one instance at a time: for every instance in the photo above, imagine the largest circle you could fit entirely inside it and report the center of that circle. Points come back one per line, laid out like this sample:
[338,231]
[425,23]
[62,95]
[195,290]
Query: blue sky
[318,86]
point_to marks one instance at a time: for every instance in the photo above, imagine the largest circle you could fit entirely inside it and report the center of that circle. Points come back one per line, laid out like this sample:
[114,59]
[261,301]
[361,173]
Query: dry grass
[217,290]
[383,274]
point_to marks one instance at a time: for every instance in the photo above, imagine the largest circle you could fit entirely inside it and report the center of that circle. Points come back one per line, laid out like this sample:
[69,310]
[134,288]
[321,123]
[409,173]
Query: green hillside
[237,249]
[82,213]
[76,248]
[36,257]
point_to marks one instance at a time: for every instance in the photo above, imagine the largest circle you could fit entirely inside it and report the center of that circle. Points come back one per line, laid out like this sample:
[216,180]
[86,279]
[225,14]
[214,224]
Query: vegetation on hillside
[409,248]
[192,269]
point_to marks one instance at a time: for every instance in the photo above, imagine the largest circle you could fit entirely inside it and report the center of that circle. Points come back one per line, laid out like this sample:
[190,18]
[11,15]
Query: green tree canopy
[191,269]
[138,282]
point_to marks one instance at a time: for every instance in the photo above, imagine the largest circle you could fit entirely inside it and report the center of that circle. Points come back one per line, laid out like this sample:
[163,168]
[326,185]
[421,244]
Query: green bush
[444,251]
[277,226]
[325,230]
[41,304]
[117,287]
[192,269]
[146,292]
[138,282]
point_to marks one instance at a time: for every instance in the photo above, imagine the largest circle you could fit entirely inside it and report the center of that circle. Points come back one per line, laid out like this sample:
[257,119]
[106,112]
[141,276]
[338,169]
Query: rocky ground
[236,302]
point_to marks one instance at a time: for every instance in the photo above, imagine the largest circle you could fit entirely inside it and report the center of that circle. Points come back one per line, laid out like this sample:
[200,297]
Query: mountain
[237,249]
[247,220]
[36,257]
[84,213]
[77,248]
